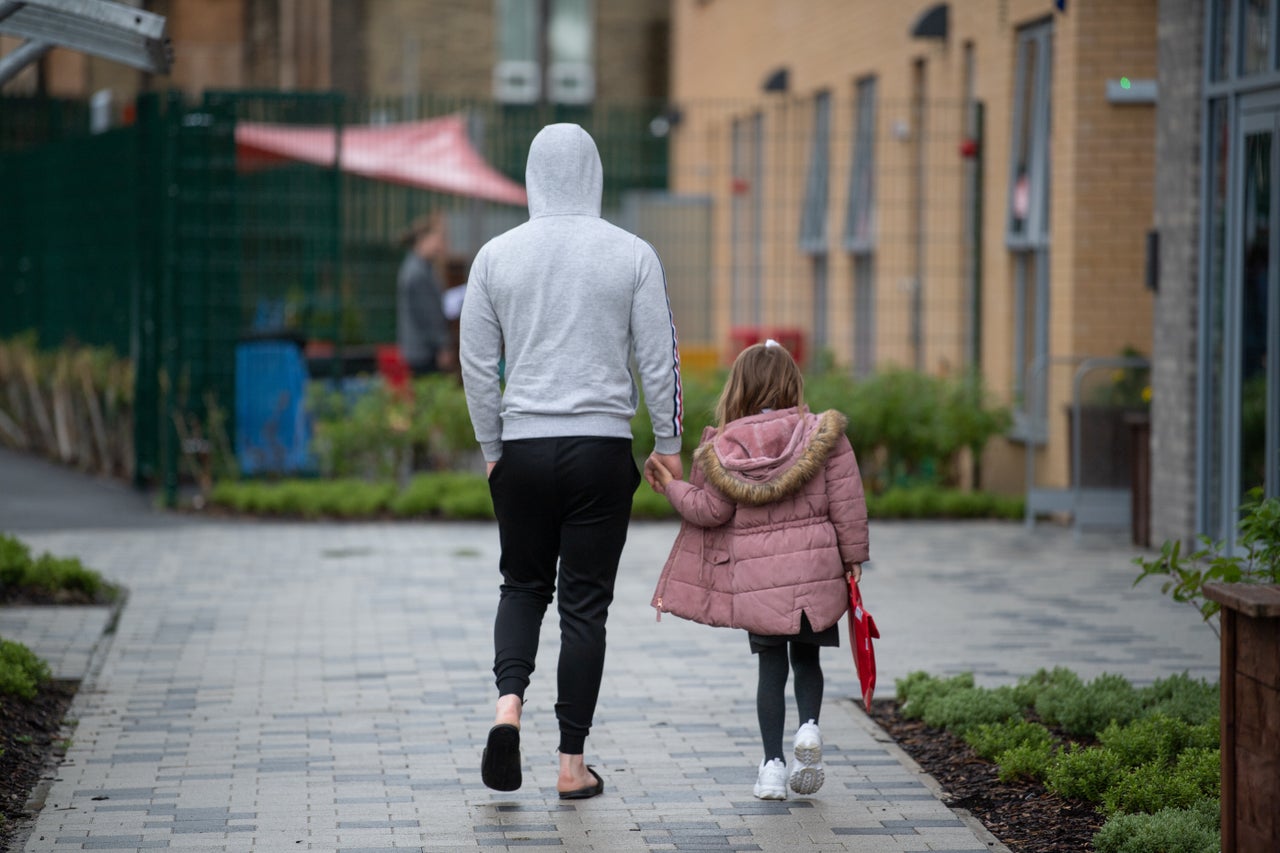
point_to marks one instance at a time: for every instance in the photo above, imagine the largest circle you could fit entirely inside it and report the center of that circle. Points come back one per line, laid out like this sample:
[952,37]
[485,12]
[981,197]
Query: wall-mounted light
[1129,91]
[778,81]
[933,23]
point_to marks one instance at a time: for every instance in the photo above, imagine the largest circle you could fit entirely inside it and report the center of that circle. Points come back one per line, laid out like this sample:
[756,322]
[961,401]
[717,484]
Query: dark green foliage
[961,710]
[1027,761]
[345,498]
[1169,830]
[49,574]
[1087,710]
[1194,776]
[1027,691]
[21,672]
[1156,739]
[426,493]
[991,739]
[918,689]
[468,499]
[936,502]
[1184,698]
[1083,773]
[15,557]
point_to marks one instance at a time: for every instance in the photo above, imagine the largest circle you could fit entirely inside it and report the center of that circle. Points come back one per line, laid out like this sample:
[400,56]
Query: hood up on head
[563,173]
[766,457]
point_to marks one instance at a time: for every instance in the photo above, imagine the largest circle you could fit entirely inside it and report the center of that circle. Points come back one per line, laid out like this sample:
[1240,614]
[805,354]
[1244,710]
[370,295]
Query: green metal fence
[151,239]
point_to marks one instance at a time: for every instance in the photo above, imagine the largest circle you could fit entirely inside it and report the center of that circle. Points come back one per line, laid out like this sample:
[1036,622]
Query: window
[746,220]
[1255,37]
[544,48]
[813,217]
[1027,234]
[859,226]
[1028,223]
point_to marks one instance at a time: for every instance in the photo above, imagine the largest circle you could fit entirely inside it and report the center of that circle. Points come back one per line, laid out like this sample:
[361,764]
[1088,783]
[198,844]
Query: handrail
[1040,418]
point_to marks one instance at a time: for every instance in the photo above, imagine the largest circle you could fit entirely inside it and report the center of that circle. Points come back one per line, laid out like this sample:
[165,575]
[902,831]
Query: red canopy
[434,154]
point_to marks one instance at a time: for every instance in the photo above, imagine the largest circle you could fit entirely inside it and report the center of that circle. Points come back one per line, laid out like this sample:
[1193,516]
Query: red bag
[862,630]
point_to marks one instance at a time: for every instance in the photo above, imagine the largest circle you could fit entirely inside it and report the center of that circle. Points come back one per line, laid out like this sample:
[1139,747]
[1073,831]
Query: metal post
[24,55]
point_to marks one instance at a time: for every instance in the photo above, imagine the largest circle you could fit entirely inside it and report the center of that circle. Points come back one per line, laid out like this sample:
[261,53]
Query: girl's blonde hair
[762,377]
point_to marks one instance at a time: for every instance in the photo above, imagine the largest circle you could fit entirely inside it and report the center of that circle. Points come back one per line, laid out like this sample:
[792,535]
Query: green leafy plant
[991,739]
[1156,739]
[1184,698]
[1083,773]
[49,575]
[1087,710]
[1255,559]
[21,672]
[1169,830]
[961,710]
[1027,761]
[1192,777]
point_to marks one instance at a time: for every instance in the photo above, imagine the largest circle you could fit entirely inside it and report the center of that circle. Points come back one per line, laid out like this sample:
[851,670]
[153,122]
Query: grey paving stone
[326,687]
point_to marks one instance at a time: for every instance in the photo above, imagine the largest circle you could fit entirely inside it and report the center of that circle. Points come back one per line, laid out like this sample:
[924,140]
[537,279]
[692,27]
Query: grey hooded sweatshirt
[568,299]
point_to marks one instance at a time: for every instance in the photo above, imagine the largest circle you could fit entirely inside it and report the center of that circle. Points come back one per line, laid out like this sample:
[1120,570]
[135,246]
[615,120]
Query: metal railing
[1099,506]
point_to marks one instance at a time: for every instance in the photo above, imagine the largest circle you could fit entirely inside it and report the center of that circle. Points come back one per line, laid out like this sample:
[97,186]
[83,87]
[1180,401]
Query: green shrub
[991,739]
[468,499]
[49,574]
[1087,710]
[1170,830]
[21,672]
[918,689]
[937,502]
[1028,689]
[425,493]
[15,557]
[1193,777]
[1155,739]
[1083,773]
[961,710]
[1184,698]
[1026,761]
[649,504]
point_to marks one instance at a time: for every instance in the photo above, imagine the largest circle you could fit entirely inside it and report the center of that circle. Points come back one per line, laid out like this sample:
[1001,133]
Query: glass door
[1249,454]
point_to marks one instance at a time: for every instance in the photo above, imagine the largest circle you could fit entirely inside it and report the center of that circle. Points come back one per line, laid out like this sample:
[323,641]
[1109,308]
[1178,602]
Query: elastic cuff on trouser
[513,685]
[572,744]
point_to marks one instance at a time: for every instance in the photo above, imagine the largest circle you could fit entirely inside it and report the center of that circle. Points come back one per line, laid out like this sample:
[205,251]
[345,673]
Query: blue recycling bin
[273,429]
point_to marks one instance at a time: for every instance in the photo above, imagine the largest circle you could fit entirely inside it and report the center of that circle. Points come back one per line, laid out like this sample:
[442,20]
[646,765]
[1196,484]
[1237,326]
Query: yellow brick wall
[1101,173]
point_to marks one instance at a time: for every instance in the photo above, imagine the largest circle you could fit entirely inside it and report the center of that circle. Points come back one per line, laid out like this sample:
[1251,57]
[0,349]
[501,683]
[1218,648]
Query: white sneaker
[806,774]
[771,780]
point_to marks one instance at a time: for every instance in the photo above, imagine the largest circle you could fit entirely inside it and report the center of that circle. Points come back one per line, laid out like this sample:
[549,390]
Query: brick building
[1216,374]
[859,207]
[518,51]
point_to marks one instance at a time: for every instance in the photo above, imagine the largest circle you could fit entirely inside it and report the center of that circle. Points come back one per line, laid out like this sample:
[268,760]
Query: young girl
[774,520]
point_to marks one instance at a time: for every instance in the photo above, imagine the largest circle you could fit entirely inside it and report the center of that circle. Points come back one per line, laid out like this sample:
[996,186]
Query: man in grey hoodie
[568,300]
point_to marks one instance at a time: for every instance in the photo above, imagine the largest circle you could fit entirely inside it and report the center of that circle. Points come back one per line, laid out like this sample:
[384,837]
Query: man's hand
[659,464]
[488,469]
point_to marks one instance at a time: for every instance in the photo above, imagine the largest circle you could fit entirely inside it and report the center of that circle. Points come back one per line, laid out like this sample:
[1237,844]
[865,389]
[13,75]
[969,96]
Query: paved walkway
[276,687]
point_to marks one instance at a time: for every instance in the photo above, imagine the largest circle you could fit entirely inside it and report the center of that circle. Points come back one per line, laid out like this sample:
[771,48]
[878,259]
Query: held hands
[661,468]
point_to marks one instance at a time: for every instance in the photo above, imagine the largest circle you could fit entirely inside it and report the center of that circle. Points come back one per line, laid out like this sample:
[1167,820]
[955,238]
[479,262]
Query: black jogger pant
[565,501]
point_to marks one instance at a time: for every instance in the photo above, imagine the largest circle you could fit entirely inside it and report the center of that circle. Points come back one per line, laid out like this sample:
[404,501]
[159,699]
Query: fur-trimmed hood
[763,458]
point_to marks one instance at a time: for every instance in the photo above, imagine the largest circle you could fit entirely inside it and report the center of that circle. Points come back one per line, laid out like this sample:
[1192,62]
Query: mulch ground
[30,744]
[1022,814]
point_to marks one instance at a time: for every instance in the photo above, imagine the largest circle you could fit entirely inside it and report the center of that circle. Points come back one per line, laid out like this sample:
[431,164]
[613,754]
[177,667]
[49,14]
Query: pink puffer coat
[773,511]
